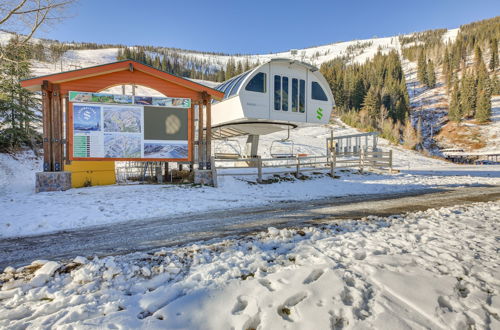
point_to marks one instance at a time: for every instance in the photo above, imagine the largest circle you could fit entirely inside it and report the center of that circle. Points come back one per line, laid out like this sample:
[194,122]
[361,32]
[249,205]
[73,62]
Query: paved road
[143,235]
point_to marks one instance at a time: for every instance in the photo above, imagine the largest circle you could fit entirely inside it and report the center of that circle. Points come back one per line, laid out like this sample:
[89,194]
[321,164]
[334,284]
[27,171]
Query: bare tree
[27,16]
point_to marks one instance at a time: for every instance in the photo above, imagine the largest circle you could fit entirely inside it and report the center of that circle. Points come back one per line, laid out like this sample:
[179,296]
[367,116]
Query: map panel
[122,145]
[123,119]
[165,149]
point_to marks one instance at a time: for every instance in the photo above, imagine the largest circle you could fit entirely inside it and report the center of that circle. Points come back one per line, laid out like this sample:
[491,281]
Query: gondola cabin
[274,96]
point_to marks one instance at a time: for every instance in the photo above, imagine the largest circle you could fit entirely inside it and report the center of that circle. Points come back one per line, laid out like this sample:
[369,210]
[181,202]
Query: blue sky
[258,26]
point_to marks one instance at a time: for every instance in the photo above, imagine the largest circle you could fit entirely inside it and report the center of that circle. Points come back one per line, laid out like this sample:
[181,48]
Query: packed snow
[433,269]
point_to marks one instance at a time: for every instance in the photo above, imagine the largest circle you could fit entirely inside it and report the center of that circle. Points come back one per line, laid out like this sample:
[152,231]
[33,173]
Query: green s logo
[319,113]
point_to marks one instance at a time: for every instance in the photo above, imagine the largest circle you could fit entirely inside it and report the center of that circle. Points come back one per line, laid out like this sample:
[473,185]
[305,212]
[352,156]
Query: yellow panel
[91,173]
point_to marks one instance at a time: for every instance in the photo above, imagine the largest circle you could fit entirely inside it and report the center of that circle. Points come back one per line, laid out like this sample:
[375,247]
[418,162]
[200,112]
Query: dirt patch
[462,136]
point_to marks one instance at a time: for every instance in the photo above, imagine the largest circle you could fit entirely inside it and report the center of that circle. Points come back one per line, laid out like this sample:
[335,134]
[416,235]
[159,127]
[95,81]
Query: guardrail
[297,165]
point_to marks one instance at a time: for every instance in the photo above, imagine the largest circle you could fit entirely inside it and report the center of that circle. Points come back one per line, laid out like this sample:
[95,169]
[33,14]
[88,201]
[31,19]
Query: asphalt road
[131,236]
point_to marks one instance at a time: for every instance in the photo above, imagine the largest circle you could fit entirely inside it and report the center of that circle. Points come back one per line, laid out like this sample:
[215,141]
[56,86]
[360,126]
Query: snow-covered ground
[436,269]
[491,132]
[26,213]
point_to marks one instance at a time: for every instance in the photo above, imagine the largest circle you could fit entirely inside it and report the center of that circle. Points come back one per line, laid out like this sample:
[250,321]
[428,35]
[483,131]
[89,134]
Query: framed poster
[123,129]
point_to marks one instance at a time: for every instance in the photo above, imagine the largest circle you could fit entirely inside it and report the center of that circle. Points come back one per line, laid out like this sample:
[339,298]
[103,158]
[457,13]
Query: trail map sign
[125,127]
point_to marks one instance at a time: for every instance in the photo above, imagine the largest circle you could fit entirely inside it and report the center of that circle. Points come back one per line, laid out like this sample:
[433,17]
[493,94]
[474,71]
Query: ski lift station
[281,94]
[86,128]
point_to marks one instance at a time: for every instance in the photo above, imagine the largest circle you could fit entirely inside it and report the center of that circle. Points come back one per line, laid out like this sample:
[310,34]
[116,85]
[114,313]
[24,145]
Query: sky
[257,26]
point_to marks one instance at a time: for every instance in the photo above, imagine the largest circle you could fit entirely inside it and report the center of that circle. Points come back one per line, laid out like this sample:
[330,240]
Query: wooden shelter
[56,114]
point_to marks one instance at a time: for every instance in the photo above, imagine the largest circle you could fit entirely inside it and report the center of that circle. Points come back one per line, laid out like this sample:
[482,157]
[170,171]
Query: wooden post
[47,127]
[332,165]
[208,138]
[259,169]
[56,126]
[297,173]
[192,135]
[390,160]
[200,135]
[159,176]
[166,170]
[68,128]
[361,160]
[334,161]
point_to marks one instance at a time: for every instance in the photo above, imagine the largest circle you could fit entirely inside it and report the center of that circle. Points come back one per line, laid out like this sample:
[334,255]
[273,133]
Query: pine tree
[371,105]
[431,75]
[409,135]
[483,81]
[239,68]
[468,94]
[483,95]
[455,111]
[164,63]
[422,68]
[420,136]
[447,69]
[221,75]
[493,54]
[483,110]
[17,105]
[495,85]
[478,57]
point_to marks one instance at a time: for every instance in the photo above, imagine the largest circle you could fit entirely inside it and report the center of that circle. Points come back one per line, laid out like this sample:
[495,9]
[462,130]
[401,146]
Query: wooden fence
[297,165]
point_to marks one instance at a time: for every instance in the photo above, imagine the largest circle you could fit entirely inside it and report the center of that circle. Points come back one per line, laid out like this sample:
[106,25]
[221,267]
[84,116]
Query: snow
[491,132]
[26,213]
[451,35]
[430,269]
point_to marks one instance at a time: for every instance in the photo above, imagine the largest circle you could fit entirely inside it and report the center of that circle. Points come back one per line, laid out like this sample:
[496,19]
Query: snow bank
[432,269]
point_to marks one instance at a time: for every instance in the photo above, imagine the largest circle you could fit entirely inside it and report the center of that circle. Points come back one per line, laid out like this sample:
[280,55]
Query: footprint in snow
[287,310]
[267,284]
[346,297]
[313,276]
[337,320]
[253,322]
[240,306]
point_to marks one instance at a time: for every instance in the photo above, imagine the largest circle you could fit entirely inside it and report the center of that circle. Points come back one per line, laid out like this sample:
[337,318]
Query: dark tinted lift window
[317,93]
[284,94]
[277,92]
[257,83]
[302,98]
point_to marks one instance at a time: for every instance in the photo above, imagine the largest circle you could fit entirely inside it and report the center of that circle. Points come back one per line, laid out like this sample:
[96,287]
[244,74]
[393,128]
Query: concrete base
[205,177]
[52,181]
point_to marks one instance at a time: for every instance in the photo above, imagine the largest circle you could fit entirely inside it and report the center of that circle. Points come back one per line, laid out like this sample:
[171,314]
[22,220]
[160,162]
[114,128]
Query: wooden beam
[56,128]
[67,133]
[200,135]
[192,109]
[208,149]
[47,127]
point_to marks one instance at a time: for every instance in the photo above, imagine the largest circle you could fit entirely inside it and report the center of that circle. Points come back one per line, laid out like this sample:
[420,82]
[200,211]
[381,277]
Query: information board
[122,127]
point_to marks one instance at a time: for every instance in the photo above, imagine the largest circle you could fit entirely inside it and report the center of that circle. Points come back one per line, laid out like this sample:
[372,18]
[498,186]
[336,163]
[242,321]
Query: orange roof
[34,84]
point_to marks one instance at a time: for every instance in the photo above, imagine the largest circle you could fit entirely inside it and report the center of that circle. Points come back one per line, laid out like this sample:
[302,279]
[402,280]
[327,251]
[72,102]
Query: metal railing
[297,165]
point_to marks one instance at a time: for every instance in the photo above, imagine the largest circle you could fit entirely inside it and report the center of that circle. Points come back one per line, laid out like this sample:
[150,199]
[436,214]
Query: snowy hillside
[358,50]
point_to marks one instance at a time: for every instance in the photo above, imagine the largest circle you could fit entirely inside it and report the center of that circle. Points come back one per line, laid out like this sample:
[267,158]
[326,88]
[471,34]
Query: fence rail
[296,165]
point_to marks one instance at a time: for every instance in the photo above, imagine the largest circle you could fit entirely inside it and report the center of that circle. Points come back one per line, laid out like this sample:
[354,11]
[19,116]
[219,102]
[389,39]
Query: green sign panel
[88,97]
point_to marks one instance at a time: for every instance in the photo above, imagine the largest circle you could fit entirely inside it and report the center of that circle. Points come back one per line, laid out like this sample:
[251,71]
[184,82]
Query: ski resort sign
[126,127]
